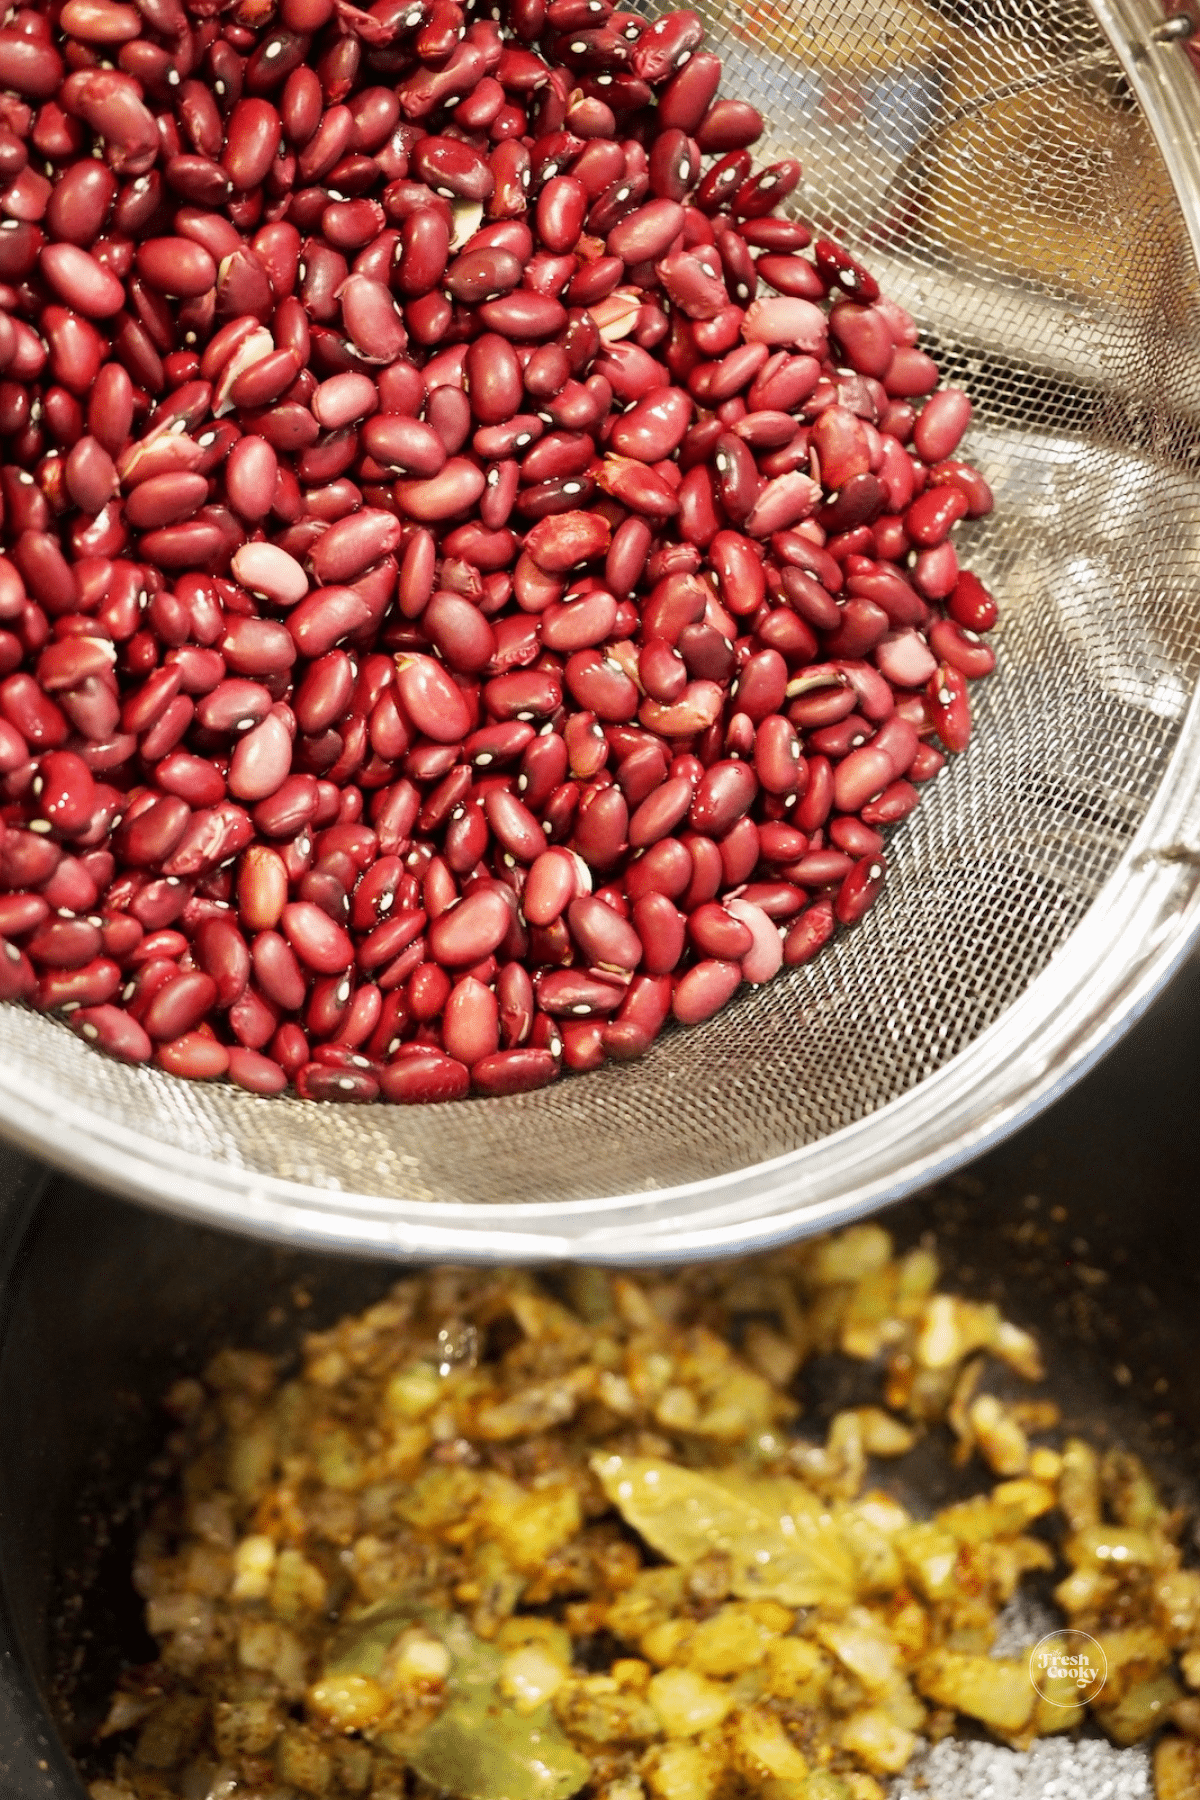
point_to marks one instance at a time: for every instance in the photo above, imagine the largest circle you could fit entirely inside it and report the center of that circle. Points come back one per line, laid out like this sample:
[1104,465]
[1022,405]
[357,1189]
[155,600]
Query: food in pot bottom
[508,1537]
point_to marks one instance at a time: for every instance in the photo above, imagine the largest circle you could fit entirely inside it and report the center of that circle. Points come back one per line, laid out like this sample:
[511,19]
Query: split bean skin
[477,584]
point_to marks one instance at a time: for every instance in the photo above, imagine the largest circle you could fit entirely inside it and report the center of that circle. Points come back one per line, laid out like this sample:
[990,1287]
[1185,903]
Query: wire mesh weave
[992,168]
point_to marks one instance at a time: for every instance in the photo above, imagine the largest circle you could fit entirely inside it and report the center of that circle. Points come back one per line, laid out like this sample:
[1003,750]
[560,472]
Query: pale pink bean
[765,958]
[343,399]
[786,320]
[905,659]
[270,573]
[261,760]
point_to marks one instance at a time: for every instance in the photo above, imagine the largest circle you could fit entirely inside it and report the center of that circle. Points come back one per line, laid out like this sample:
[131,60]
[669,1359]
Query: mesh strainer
[1024,175]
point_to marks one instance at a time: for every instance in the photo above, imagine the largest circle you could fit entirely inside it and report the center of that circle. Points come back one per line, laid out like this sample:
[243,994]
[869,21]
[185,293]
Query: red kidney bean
[191,778]
[859,889]
[64,943]
[765,956]
[778,762]
[110,1029]
[261,888]
[980,499]
[723,796]
[601,826]
[317,940]
[515,828]
[855,838]
[716,932]
[327,480]
[606,939]
[860,776]
[704,990]
[898,799]
[176,266]
[940,425]
[420,1074]
[552,882]
[969,605]
[256,1073]
[962,649]
[514,1071]
[471,1022]
[809,933]
[179,1005]
[194,1056]
[661,929]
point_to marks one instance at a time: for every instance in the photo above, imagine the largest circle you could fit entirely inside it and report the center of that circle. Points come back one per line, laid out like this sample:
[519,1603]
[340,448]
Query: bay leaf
[362,1643]
[784,1544]
[479,1747]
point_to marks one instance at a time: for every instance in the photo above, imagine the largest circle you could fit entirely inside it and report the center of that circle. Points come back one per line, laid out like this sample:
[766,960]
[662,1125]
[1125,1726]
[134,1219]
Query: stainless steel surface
[1023,175]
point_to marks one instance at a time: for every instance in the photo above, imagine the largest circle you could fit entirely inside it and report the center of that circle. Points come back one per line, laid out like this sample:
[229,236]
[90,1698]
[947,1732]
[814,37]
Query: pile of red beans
[474,588]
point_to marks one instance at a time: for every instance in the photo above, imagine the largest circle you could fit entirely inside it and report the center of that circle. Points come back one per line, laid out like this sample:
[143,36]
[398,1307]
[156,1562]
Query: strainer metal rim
[1140,927]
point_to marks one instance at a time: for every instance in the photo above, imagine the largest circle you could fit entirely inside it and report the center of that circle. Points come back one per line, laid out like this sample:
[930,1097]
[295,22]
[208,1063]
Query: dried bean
[358,447]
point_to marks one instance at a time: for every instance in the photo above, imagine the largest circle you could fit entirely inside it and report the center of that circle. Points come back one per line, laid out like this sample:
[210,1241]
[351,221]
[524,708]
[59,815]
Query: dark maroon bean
[494,379]
[605,938]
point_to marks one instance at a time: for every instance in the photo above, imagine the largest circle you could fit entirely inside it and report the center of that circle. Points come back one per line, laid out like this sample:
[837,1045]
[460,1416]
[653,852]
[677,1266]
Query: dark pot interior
[1085,1225]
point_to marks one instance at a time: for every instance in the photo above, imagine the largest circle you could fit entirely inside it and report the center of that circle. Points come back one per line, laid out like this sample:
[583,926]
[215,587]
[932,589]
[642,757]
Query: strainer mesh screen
[991,167]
